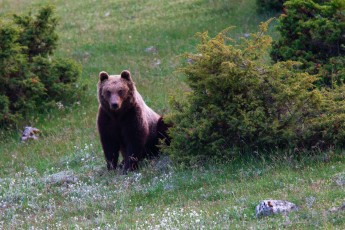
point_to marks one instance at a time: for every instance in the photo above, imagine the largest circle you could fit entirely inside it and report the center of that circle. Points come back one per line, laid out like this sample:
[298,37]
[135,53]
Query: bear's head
[115,92]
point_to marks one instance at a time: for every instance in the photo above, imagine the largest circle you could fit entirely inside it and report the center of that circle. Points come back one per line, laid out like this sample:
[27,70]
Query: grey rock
[155,63]
[151,49]
[269,207]
[62,177]
[339,178]
[310,201]
[337,209]
[139,209]
[169,187]
[163,163]
[190,61]
[246,35]
[30,133]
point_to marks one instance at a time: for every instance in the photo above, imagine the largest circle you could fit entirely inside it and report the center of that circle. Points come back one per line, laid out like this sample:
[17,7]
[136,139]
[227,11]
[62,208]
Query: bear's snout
[114,106]
[115,102]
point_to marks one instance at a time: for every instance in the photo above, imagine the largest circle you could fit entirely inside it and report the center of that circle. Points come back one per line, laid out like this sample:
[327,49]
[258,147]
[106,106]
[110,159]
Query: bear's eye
[108,93]
[120,92]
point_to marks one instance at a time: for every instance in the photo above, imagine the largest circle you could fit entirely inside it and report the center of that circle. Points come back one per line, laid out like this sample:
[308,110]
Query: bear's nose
[114,106]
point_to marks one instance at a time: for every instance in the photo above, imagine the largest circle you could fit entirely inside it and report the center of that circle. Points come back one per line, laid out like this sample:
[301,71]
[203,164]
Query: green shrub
[328,127]
[30,79]
[38,33]
[239,102]
[14,75]
[59,77]
[313,34]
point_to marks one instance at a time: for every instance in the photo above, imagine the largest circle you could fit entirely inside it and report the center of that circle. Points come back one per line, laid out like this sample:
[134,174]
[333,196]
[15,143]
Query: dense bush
[314,34]
[30,79]
[239,102]
[38,33]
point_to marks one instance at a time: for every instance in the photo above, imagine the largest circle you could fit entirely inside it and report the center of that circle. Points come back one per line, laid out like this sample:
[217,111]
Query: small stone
[310,201]
[337,209]
[269,207]
[163,163]
[139,209]
[62,177]
[156,63]
[30,133]
[151,49]
[190,61]
[334,209]
[339,179]
[168,187]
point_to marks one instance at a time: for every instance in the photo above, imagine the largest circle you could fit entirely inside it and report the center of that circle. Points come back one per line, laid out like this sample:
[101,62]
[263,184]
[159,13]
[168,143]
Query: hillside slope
[61,182]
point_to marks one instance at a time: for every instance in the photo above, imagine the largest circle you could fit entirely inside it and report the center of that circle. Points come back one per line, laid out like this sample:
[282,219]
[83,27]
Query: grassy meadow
[61,182]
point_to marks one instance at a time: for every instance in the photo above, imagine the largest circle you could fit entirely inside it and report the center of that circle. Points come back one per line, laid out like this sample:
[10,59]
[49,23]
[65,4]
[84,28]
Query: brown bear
[125,123]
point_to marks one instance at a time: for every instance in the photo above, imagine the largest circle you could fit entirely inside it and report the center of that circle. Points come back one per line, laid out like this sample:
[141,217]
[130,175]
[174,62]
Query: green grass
[112,36]
[217,196]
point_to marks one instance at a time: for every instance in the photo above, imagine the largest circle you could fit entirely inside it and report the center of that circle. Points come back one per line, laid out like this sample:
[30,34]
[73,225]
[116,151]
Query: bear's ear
[103,76]
[126,75]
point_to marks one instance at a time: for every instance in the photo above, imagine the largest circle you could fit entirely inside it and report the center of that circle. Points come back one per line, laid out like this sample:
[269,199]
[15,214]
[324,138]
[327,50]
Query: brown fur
[125,123]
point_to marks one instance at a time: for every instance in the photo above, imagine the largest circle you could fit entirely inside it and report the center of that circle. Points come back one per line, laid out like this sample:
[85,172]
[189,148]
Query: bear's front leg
[111,151]
[132,157]
[110,140]
[135,145]
[135,134]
